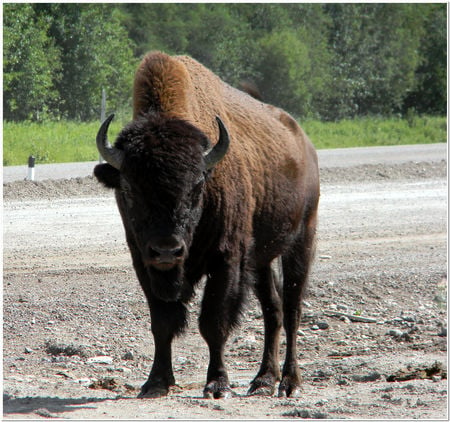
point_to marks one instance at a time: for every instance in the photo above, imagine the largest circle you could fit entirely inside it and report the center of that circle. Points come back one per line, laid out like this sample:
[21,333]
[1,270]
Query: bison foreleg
[168,320]
[222,301]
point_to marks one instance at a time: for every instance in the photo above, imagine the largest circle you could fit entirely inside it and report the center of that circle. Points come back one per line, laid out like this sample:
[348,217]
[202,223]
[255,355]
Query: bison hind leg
[267,290]
[296,265]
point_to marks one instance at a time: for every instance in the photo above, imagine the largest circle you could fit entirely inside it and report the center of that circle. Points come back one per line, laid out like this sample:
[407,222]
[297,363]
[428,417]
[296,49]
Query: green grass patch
[376,132]
[67,141]
[52,142]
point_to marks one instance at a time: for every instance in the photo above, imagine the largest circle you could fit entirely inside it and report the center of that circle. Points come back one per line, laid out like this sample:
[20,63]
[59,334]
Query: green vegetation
[328,61]
[51,142]
[353,73]
[60,142]
[376,131]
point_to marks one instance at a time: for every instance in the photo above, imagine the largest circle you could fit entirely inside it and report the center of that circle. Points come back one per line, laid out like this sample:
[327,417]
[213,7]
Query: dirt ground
[372,341]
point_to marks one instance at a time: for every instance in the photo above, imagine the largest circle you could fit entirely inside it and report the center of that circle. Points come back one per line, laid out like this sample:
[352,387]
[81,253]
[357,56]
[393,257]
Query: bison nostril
[165,253]
[178,252]
[153,253]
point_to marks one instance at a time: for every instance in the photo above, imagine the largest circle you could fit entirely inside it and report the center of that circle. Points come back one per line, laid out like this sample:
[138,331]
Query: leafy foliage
[31,65]
[328,61]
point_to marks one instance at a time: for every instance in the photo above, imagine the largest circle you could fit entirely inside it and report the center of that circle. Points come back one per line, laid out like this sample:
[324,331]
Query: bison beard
[167,285]
[194,207]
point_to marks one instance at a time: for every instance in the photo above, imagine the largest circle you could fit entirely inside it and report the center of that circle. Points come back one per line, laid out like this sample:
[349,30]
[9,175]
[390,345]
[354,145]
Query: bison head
[159,167]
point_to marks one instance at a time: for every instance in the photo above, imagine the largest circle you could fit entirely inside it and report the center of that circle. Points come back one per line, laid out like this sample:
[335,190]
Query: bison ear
[107,175]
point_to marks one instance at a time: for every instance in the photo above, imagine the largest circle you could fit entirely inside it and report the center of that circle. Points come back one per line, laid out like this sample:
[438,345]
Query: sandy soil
[373,337]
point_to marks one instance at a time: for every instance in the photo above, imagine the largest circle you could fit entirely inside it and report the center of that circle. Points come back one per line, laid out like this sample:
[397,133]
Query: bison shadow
[46,406]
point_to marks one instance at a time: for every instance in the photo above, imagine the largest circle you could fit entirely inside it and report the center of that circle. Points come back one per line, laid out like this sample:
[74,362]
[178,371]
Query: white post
[30,174]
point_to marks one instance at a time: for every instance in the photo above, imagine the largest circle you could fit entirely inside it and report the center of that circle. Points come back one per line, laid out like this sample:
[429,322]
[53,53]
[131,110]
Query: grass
[376,132]
[52,142]
[67,141]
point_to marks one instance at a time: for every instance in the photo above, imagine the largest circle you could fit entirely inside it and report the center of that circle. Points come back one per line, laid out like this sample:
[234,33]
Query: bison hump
[161,84]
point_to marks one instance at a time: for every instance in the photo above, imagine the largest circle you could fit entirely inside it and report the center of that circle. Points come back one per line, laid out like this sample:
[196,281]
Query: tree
[430,95]
[96,53]
[31,65]
[375,49]
[291,60]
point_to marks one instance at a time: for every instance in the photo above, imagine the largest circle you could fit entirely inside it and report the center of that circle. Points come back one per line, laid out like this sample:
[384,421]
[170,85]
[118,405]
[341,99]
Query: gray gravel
[77,340]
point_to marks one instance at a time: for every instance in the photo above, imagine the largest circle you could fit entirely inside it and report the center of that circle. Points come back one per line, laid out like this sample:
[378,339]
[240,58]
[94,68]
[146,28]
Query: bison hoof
[153,391]
[217,389]
[262,386]
[289,388]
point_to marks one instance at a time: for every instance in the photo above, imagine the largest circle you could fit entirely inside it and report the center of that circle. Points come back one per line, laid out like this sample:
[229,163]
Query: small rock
[420,402]
[45,413]
[301,333]
[106,360]
[105,384]
[443,332]
[128,355]
[28,350]
[408,317]
[395,333]
[323,325]
[322,374]
[85,382]
[315,327]
[373,376]
[305,414]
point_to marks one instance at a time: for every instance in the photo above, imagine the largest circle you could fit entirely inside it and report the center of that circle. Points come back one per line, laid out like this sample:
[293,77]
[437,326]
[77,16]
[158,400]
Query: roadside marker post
[30,174]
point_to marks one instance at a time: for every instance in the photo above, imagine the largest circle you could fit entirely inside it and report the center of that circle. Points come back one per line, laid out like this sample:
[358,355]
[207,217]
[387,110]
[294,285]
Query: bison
[213,184]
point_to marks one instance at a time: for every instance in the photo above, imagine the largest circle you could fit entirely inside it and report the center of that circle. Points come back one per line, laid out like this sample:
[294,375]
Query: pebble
[323,325]
[28,350]
[305,414]
[84,381]
[45,413]
[128,355]
[373,376]
[107,360]
[124,370]
[395,333]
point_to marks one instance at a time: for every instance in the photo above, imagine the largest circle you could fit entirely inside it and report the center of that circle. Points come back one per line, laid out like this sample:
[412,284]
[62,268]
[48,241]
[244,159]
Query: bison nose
[166,251]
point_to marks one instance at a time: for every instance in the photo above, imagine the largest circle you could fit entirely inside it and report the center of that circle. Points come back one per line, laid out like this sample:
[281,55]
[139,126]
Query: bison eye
[125,188]
[197,188]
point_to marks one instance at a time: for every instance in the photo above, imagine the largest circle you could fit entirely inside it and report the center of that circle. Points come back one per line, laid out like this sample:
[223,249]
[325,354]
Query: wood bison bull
[225,210]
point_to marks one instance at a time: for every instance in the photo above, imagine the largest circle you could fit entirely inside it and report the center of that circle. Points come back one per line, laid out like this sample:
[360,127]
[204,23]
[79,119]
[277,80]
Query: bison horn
[213,156]
[112,156]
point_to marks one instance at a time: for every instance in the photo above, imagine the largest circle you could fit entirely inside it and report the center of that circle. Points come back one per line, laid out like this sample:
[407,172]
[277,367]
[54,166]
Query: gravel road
[372,340]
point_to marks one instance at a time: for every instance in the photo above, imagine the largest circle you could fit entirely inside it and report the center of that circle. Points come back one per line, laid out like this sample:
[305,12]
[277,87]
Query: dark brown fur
[258,205]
